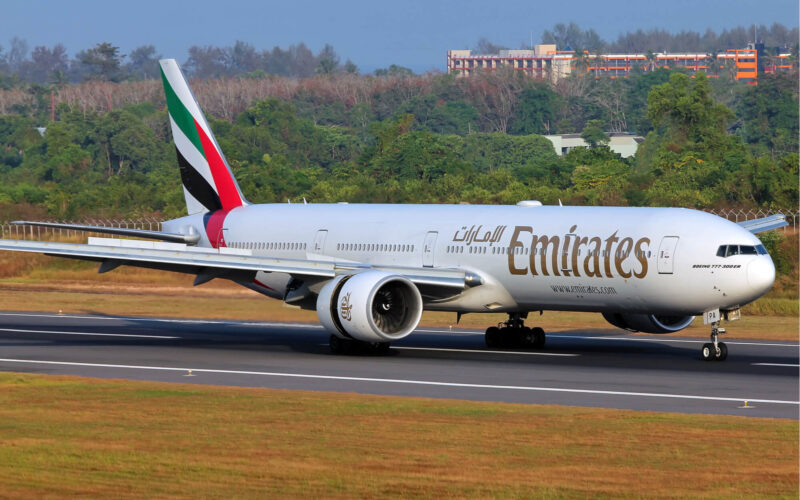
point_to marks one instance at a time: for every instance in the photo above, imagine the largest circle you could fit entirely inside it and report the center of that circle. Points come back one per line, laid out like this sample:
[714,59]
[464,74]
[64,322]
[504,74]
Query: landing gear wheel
[493,337]
[723,351]
[338,345]
[715,350]
[381,347]
[539,338]
[709,353]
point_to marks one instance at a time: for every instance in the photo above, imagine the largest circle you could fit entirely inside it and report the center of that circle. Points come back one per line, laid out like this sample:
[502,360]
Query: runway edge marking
[401,381]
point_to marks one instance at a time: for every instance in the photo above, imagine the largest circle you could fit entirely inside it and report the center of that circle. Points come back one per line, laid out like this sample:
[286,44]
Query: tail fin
[208,183]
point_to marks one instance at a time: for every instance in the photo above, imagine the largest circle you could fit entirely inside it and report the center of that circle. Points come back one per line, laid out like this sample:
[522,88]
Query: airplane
[369,270]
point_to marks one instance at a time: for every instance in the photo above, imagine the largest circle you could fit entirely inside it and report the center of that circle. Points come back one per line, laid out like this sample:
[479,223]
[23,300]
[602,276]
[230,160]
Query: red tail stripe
[226,187]
[214,228]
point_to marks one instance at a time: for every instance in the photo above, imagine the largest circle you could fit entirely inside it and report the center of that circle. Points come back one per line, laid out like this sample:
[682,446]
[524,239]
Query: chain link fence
[24,232]
[740,215]
[20,232]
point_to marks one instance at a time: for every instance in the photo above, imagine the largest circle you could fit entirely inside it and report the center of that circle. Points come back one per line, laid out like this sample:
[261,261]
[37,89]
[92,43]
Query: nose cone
[760,275]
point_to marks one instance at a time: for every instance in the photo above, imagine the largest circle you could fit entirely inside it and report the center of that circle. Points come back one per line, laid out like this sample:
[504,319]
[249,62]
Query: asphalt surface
[659,373]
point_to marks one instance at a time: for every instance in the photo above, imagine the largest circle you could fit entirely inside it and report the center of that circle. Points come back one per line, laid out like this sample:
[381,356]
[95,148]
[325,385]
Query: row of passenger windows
[728,250]
[374,247]
[263,245]
[536,251]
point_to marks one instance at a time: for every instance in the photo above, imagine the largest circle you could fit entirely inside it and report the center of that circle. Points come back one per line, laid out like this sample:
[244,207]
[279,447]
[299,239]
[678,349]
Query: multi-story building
[545,61]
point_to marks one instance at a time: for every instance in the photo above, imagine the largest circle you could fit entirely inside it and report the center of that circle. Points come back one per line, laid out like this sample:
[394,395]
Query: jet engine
[648,323]
[372,306]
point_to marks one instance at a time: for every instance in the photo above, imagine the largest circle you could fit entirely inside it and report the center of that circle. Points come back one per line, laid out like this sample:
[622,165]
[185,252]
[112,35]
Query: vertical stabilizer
[208,183]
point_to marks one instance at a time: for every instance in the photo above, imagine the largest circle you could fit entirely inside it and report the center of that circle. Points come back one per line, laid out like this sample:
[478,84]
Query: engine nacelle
[373,306]
[648,323]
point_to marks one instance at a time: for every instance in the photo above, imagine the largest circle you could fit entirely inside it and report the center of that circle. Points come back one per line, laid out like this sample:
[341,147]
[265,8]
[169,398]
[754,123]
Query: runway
[659,373]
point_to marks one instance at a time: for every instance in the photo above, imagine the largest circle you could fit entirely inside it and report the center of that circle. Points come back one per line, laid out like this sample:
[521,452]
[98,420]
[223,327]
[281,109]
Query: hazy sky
[373,33]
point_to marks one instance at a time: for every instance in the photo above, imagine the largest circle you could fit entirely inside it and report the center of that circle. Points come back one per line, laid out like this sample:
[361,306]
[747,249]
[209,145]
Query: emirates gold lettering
[553,256]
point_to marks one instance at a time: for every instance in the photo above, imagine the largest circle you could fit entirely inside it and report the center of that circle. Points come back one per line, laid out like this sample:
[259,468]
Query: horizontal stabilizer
[764,224]
[189,239]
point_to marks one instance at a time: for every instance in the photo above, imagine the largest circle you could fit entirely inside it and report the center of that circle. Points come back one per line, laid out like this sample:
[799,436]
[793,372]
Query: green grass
[74,437]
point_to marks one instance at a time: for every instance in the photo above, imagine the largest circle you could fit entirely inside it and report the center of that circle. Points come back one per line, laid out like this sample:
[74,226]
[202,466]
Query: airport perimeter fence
[24,232]
[27,232]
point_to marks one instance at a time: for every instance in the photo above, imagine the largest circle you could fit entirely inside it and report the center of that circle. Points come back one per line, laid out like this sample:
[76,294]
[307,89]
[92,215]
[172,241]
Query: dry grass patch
[67,436]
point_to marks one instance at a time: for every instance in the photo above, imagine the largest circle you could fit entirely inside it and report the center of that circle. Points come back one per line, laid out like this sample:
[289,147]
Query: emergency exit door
[428,247]
[666,254]
[319,241]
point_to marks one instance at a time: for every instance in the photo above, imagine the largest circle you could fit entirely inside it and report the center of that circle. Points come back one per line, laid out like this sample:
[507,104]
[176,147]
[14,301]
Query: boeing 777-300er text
[370,270]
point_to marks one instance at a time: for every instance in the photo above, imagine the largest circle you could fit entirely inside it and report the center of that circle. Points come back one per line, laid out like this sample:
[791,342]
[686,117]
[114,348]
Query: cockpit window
[729,250]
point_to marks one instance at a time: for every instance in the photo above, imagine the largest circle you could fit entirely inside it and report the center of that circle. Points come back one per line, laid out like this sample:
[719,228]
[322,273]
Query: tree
[686,108]
[594,135]
[350,67]
[44,62]
[102,62]
[536,111]
[484,46]
[394,70]
[143,63]
[327,61]
[207,62]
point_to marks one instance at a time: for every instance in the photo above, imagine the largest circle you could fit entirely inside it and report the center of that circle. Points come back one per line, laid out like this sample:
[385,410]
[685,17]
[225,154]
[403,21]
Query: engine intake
[373,306]
[648,323]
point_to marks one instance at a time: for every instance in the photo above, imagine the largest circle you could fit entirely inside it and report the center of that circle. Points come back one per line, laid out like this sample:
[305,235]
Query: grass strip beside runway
[69,436]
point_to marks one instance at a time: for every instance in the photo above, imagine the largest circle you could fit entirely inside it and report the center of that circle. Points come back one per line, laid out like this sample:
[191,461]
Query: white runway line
[680,341]
[481,351]
[777,364]
[407,382]
[90,334]
[165,320]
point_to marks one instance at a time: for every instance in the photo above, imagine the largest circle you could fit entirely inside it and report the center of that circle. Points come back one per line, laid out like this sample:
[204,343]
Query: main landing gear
[715,350]
[353,346]
[514,334]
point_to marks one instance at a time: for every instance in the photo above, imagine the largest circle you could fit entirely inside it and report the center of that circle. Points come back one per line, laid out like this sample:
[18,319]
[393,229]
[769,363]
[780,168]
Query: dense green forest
[404,138]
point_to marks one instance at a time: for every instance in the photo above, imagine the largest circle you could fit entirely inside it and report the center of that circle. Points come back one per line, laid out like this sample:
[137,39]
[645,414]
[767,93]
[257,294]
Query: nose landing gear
[715,350]
[514,334]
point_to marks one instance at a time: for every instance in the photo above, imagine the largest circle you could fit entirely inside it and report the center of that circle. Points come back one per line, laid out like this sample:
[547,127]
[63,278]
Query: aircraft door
[428,247]
[666,254]
[319,242]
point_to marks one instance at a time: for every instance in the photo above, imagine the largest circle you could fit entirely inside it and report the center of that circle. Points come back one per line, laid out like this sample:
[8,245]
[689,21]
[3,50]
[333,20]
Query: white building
[622,143]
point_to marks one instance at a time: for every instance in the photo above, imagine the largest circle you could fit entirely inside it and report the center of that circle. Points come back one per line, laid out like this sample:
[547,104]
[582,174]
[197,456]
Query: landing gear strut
[715,350]
[514,333]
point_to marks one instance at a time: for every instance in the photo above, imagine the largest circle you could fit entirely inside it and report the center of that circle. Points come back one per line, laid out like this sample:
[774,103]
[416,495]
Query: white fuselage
[647,260]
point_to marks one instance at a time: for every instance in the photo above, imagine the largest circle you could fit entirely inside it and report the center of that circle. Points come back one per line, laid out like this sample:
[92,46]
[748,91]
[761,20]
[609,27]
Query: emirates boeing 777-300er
[370,270]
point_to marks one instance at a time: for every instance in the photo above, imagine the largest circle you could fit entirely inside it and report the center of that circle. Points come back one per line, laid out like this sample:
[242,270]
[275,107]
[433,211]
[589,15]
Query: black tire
[525,337]
[708,352]
[381,347]
[539,338]
[723,351]
[493,337]
[338,346]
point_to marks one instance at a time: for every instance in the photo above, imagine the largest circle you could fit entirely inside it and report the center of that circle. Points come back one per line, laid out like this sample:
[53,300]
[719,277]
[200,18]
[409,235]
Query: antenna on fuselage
[559,203]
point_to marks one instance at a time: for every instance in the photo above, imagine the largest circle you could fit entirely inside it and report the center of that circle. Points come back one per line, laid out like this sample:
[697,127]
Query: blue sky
[411,33]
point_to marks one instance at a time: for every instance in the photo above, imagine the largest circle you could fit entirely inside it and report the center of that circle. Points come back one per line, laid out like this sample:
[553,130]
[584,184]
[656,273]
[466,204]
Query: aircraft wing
[764,224]
[209,263]
[190,239]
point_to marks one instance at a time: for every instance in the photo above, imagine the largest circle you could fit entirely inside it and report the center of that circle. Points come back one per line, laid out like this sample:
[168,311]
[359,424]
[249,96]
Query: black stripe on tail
[197,185]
